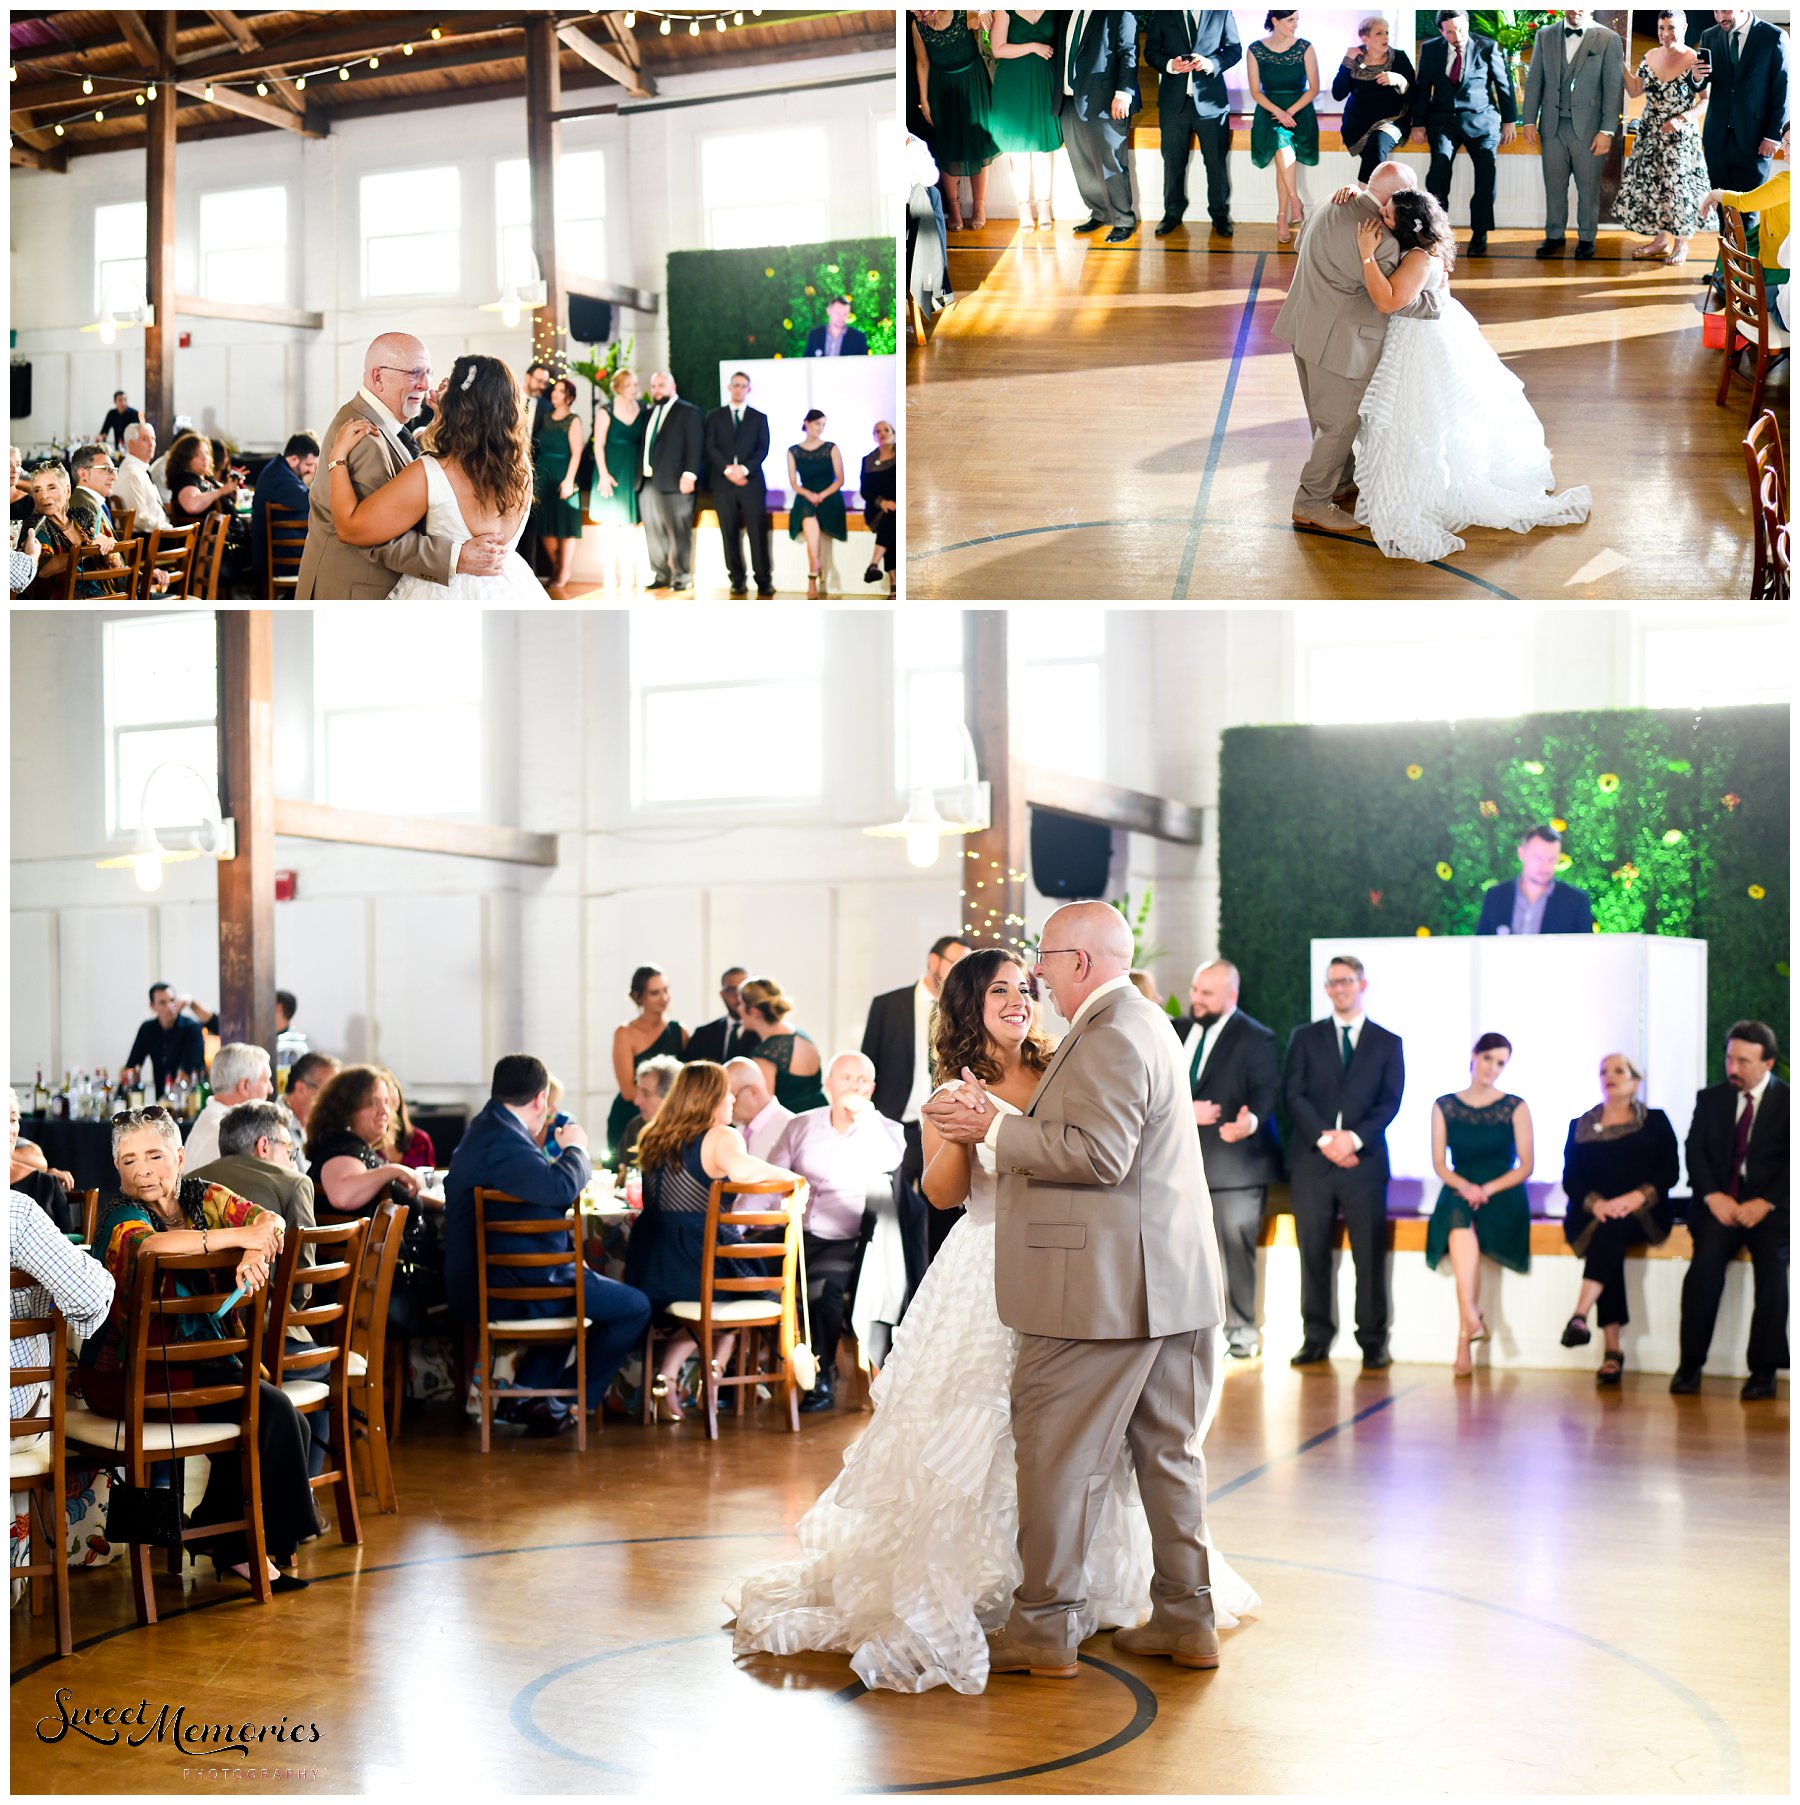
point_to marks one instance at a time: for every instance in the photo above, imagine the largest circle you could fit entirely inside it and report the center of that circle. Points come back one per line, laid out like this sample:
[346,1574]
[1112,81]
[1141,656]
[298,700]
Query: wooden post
[543,141]
[994,862]
[247,796]
[159,243]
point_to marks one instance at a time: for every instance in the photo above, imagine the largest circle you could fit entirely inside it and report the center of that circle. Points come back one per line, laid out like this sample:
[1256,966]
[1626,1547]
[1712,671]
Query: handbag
[147,1513]
[803,1363]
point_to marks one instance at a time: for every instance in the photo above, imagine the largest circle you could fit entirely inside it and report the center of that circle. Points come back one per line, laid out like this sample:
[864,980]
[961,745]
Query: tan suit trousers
[1331,402]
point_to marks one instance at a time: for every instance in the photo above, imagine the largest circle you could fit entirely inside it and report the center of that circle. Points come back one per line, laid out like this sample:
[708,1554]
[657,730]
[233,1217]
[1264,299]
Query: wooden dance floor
[1511,1586]
[1117,424]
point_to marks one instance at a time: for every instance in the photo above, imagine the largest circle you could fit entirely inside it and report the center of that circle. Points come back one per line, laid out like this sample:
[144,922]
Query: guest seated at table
[198,488]
[240,1074]
[92,471]
[257,1147]
[647,1035]
[654,1077]
[754,1111]
[844,1151]
[159,1208]
[135,488]
[881,507]
[24,562]
[22,505]
[307,1077]
[501,1152]
[46,1186]
[283,482]
[1620,1163]
[169,1043]
[688,1147]
[405,1145]
[1769,202]
[81,1288]
[59,536]
[786,1054]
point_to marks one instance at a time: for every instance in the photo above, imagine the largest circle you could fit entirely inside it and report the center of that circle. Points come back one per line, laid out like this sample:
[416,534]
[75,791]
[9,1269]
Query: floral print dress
[1665,178]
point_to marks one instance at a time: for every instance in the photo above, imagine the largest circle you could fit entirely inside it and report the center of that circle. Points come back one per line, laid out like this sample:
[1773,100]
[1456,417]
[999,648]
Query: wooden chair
[145,1437]
[124,519]
[90,1216]
[169,548]
[770,1323]
[365,1366]
[209,556]
[38,1468]
[103,576]
[286,535]
[1782,578]
[566,1320]
[1767,465]
[324,1264]
[1748,323]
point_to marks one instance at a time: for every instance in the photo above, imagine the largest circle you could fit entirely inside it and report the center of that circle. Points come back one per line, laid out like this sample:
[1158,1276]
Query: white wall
[256,384]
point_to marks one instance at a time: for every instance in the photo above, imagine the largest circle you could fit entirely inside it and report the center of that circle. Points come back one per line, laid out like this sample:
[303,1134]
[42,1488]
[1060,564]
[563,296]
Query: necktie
[737,418]
[409,442]
[1740,1149]
[1199,1060]
[656,420]
[1737,45]
[1348,1048]
[1456,70]
[1075,25]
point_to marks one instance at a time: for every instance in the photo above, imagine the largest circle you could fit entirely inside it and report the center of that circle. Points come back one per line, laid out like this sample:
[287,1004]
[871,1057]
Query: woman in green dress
[1023,124]
[649,1034]
[1284,80]
[816,476]
[616,486]
[955,96]
[790,1062]
[556,458]
[1481,1149]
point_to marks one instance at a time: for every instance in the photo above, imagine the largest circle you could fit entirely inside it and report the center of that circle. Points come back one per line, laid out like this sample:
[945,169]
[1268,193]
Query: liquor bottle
[40,1095]
[136,1095]
[62,1098]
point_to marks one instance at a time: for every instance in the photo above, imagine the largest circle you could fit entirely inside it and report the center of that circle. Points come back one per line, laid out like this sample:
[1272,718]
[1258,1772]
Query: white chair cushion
[355,1365]
[83,1427]
[528,1324]
[31,1457]
[741,1309]
[1778,338]
[306,1391]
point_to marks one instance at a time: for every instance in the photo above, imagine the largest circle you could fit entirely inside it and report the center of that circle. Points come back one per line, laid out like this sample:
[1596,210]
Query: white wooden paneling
[104,977]
[428,987]
[31,995]
[188,935]
[202,373]
[262,377]
[322,956]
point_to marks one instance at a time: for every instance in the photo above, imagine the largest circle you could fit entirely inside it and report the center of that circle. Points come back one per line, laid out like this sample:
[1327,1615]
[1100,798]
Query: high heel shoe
[1284,236]
[665,1399]
[812,585]
[1483,1333]
[1047,221]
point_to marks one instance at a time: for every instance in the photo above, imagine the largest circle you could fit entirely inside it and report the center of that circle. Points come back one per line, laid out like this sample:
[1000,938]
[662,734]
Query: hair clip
[467,380]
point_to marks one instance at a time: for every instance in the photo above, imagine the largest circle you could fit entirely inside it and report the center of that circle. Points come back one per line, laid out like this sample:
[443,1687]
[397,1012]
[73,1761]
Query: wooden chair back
[1766,463]
[114,574]
[169,548]
[209,556]
[1783,581]
[366,1362]
[160,1385]
[38,1469]
[124,519]
[285,532]
[90,1216]
[1748,326]
[562,1318]
[314,1291]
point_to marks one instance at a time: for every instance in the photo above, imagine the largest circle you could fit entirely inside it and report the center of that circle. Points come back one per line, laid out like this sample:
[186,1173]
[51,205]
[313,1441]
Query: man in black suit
[1231,1067]
[1461,77]
[897,1040]
[1737,1160]
[1342,1085]
[726,1037]
[1537,901]
[1747,105]
[667,480]
[1191,52]
[1094,95]
[537,399]
[737,441]
[840,338]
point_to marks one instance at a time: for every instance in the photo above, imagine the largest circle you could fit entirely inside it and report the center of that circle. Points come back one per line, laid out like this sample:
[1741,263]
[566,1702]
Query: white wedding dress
[911,1553]
[513,582]
[1447,440]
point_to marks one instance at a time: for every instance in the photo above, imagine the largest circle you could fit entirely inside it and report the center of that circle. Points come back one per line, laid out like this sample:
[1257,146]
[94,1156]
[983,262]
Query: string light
[374,62]
[693,28]
[664,28]
[59,131]
[630,21]
[151,90]
[87,84]
[720,21]
[406,50]
[15,72]
[344,74]
[140,100]
[99,115]
[299,84]
[262,88]
[209,90]
[437,31]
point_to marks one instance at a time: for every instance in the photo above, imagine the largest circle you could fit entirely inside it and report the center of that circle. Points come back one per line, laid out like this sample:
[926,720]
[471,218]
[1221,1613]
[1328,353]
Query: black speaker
[590,321]
[1070,859]
[21,396]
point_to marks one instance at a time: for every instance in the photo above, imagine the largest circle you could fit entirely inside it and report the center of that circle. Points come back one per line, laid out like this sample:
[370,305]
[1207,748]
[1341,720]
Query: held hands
[1753,1211]
[962,1115]
[1338,1147]
[481,557]
[1472,1194]
[352,432]
[1239,1128]
[1724,1208]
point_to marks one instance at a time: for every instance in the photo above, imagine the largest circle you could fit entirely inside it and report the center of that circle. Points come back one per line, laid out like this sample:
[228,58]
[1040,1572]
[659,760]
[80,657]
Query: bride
[911,1553]
[474,478]
[1447,439]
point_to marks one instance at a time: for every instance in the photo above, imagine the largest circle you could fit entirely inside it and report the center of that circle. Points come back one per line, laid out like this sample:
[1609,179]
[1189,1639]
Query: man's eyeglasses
[419,376]
[1341,983]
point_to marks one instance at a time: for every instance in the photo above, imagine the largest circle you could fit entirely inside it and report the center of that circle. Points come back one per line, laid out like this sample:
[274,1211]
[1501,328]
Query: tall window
[398,696]
[243,245]
[888,180]
[580,217]
[411,223]
[161,684]
[1408,665]
[695,675]
[121,267]
[766,187]
[1713,667]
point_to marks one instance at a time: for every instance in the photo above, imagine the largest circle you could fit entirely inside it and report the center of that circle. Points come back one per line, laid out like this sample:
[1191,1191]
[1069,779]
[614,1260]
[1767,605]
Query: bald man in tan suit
[1107,1265]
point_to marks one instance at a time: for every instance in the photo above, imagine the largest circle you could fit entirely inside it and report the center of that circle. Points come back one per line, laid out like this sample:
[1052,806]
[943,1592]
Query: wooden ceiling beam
[608,62]
[308,125]
[26,156]
[35,136]
[137,34]
[235,29]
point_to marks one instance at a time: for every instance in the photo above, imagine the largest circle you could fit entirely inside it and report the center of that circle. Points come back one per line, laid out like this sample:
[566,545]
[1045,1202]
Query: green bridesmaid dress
[959,96]
[817,472]
[1481,1147]
[624,459]
[557,517]
[1283,77]
[1021,118]
[623,1107]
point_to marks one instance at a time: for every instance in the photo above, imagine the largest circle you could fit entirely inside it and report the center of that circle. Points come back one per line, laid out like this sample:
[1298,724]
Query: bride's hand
[1345,195]
[1368,236]
[353,431]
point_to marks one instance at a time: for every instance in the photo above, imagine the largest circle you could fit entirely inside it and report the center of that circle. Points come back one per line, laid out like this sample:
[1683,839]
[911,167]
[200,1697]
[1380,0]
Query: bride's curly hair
[1421,223]
[962,1037]
[483,427]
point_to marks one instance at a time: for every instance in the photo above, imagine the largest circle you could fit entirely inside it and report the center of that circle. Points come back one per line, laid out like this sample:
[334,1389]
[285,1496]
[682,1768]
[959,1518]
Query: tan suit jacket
[1328,317]
[331,571]
[1103,1221]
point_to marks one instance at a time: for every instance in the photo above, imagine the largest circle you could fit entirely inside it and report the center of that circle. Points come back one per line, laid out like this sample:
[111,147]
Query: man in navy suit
[1747,105]
[1461,77]
[283,481]
[1537,901]
[1343,1084]
[1737,1160]
[840,338]
[1191,51]
[1230,1062]
[1094,95]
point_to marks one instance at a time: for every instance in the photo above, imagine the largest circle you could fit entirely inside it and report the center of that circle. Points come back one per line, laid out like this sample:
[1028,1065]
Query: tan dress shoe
[1198,1649]
[1330,519]
[1006,1654]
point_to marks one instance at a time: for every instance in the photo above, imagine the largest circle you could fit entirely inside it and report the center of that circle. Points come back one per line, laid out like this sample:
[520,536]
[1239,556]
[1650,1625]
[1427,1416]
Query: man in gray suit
[1106,1264]
[1337,334]
[1574,106]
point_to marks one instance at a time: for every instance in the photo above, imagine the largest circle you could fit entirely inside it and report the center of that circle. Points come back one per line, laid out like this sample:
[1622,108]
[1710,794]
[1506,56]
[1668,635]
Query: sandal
[1483,1333]
[1646,251]
[812,585]
[872,574]
[1576,1333]
[1675,262]
[1612,1369]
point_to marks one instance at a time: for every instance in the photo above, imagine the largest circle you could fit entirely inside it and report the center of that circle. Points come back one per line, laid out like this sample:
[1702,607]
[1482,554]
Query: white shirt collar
[1223,1019]
[1755,1093]
[384,415]
[1352,1022]
[1094,996]
[88,489]
[131,461]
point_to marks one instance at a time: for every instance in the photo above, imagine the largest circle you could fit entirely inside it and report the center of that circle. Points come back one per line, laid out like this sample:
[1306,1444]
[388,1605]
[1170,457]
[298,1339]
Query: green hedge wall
[1676,823]
[762,303]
